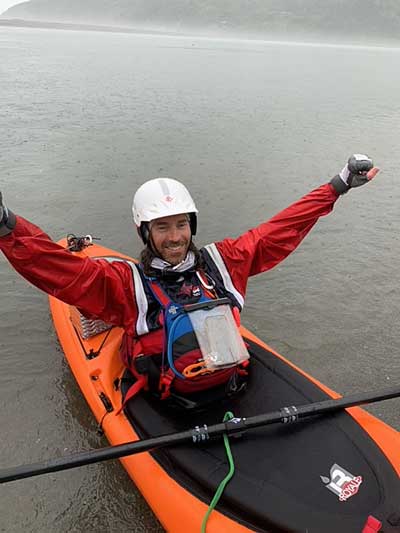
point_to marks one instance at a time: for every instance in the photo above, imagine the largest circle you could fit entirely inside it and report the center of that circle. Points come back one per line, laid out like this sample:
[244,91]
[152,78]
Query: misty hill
[361,19]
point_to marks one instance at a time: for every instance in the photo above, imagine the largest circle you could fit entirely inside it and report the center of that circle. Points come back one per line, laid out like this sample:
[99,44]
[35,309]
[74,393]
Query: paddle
[201,434]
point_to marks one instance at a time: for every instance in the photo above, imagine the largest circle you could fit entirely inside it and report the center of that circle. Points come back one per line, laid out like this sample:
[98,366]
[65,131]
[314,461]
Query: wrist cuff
[339,185]
[8,223]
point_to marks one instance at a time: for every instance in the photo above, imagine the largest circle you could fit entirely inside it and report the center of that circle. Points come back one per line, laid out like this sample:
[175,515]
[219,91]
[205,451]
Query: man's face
[171,237]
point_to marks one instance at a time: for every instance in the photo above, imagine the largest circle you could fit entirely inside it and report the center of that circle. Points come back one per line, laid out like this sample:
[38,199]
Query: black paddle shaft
[199,434]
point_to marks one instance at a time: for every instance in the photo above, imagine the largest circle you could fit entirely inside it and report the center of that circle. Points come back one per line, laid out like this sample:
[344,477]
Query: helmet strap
[144,232]
[193,223]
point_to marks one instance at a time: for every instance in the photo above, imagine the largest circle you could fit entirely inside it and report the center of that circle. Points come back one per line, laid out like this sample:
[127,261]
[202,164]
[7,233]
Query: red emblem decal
[350,488]
[342,483]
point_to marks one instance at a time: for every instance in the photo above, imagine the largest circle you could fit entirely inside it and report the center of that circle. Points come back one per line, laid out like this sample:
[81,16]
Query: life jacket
[168,360]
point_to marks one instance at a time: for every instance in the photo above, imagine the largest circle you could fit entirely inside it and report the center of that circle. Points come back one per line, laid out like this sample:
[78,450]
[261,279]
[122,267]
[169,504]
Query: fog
[297,20]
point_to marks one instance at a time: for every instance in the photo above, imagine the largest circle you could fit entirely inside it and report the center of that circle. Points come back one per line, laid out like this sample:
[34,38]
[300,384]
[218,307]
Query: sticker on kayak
[342,483]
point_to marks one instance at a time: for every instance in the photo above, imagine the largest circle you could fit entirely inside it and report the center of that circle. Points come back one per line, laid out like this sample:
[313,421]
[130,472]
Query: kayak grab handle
[77,244]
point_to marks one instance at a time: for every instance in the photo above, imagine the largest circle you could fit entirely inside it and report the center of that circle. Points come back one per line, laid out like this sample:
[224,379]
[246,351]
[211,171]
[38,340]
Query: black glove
[354,174]
[7,219]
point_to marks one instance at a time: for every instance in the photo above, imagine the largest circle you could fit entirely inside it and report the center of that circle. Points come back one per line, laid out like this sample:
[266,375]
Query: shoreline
[273,39]
[22,23]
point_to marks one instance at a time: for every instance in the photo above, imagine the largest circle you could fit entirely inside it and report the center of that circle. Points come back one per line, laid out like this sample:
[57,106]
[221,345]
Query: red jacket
[106,290]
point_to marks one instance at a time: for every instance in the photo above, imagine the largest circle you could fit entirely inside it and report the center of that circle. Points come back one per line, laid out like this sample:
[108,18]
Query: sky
[5,4]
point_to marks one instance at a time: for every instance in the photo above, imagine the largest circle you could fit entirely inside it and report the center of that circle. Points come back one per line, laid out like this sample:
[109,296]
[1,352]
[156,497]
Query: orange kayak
[326,474]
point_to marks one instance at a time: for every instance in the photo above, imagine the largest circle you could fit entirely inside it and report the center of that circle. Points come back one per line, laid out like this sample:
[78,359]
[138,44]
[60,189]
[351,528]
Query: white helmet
[161,197]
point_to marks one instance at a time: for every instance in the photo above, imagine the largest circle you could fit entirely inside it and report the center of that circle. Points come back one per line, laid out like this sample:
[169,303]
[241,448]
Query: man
[166,345]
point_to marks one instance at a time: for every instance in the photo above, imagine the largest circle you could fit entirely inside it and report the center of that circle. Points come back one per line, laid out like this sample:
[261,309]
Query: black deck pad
[281,471]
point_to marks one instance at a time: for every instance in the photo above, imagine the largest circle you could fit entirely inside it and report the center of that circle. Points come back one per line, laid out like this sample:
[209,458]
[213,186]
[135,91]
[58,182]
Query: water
[249,127]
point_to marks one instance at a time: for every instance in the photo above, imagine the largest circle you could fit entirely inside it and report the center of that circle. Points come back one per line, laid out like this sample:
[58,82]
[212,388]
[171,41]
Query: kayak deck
[281,471]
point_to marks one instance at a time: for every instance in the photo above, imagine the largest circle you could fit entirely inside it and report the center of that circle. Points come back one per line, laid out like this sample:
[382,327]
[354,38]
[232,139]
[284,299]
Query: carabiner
[197,369]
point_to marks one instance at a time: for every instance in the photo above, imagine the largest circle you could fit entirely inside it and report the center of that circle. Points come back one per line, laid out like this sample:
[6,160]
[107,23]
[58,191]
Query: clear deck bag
[218,336]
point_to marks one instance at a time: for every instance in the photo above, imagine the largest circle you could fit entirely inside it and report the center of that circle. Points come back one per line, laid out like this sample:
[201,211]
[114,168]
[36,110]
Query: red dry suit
[113,290]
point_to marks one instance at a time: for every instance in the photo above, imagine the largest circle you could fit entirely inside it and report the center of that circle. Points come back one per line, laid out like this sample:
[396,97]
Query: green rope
[224,482]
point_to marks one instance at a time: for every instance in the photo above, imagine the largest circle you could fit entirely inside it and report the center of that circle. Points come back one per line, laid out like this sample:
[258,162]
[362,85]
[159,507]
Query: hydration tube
[169,346]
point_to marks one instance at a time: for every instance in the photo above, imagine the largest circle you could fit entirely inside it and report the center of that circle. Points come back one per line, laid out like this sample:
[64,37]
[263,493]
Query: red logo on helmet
[168,199]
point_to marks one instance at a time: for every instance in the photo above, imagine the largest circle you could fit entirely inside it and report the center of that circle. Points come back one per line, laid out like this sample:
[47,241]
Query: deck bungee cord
[77,244]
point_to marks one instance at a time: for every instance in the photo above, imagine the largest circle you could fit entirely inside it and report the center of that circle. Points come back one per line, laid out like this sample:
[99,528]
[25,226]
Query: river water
[249,127]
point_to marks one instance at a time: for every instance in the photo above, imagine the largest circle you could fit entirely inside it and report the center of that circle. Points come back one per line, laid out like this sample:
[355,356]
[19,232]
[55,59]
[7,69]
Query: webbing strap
[159,293]
[133,391]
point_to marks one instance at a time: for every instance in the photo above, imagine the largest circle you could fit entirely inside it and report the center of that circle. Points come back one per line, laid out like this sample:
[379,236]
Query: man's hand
[7,219]
[358,171]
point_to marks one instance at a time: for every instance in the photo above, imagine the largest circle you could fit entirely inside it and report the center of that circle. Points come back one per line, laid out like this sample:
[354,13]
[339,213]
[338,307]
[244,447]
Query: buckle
[165,385]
